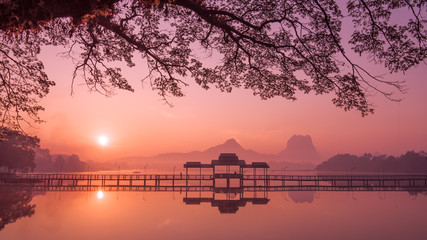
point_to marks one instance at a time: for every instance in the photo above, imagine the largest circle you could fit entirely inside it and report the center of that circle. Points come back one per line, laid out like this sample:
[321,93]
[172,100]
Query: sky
[142,124]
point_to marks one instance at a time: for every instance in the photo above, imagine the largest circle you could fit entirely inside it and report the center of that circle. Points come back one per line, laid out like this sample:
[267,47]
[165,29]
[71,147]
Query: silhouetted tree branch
[273,47]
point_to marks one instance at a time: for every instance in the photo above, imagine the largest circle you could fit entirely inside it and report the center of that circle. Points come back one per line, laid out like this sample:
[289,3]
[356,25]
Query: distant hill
[299,148]
[229,146]
[169,160]
[295,157]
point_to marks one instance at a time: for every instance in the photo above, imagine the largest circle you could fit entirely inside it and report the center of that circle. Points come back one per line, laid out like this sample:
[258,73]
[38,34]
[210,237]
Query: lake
[165,215]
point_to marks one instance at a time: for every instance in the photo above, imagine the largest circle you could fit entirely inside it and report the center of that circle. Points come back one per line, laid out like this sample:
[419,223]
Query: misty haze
[213,119]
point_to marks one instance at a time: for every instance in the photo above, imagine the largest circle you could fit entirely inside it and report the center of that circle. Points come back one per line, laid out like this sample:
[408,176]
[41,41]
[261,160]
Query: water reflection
[100,194]
[415,193]
[228,200]
[15,198]
[15,205]
[302,196]
[178,214]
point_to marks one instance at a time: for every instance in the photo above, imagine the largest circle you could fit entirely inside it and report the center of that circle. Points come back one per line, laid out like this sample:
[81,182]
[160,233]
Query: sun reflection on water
[100,194]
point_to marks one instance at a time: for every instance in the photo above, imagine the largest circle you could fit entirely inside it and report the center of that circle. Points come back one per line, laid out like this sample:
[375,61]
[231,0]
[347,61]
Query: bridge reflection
[226,199]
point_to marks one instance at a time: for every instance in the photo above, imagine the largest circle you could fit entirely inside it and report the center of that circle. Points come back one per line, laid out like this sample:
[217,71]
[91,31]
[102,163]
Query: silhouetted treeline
[16,151]
[410,162]
[45,162]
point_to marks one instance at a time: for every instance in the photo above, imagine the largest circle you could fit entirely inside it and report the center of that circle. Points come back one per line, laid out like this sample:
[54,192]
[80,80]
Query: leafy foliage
[17,150]
[272,47]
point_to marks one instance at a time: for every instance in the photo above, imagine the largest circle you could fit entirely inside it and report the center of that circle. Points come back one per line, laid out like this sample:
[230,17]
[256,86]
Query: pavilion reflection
[228,200]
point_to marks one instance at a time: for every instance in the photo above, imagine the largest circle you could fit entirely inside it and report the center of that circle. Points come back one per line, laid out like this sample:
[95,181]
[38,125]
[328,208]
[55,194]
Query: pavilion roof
[227,159]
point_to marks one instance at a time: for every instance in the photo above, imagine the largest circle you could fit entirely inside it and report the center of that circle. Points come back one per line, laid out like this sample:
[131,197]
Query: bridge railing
[73,176]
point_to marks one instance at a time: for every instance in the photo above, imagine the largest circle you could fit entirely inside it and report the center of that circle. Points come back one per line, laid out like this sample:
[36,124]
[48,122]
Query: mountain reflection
[302,196]
[15,205]
[416,193]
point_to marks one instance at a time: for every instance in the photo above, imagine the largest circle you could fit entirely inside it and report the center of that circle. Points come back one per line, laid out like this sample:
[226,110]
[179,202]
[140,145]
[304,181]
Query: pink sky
[141,124]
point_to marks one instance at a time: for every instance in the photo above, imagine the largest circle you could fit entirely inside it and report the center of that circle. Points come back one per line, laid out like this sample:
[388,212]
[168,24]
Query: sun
[103,140]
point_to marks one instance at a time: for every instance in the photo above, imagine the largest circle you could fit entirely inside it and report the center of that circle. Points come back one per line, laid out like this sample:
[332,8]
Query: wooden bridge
[228,173]
[212,182]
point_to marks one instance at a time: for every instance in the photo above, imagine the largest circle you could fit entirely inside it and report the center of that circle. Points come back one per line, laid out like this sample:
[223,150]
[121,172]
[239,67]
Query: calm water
[164,215]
